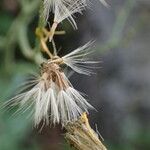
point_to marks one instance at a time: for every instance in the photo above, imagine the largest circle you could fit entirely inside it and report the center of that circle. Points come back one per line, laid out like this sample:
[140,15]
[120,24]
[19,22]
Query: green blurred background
[120,89]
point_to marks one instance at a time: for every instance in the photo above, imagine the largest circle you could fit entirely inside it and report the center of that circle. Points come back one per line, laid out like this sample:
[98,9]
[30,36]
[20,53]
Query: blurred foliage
[14,131]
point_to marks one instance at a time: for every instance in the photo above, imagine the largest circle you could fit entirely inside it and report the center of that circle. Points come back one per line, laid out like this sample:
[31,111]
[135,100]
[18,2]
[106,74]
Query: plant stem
[81,136]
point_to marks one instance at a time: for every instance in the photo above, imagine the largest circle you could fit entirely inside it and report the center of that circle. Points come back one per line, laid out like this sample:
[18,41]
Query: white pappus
[64,9]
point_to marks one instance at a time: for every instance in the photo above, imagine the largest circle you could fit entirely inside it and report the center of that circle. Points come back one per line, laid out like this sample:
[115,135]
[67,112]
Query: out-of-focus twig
[81,136]
[117,37]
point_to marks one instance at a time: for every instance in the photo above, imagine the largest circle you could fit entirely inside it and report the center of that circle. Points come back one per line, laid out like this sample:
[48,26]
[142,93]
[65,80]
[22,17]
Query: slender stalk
[52,31]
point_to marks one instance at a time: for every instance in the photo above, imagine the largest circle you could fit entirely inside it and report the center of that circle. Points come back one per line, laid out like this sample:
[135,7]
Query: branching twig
[117,37]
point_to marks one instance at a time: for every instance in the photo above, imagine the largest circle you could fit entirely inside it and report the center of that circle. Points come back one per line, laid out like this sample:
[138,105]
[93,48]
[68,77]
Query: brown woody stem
[81,136]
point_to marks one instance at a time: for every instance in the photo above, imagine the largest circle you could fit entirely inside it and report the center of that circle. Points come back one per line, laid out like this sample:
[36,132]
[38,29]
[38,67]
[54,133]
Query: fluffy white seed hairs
[77,60]
[63,9]
[51,98]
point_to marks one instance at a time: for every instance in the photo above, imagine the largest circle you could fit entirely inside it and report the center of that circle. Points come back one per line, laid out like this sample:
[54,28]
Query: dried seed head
[69,103]
[52,99]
